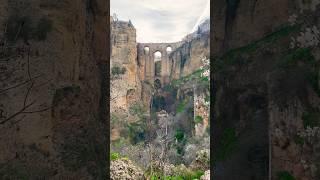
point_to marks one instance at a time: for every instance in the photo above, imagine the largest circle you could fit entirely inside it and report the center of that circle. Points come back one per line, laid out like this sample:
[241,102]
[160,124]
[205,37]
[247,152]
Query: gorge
[159,93]
[54,88]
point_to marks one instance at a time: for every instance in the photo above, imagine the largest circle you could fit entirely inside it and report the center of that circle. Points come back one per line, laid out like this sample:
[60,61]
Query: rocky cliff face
[133,68]
[159,107]
[160,130]
[187,58]
[241,22]
[125,81]
[53,89]
[266,89]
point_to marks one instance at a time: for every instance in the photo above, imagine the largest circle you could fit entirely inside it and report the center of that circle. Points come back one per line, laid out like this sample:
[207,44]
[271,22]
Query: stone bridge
[148,56]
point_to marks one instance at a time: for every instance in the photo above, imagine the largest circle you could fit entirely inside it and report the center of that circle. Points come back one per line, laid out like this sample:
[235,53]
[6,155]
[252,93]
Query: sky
[162,20]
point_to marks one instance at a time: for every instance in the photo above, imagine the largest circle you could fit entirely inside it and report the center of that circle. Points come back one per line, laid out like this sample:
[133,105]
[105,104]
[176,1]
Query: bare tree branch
[29,75]
[17,113]
[18,85]
[36,111]
[26,105]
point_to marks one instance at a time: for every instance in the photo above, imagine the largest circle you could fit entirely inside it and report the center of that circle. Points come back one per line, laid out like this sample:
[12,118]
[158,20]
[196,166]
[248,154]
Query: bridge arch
[157,63]
[146,50]
[153,56]
[157,55]
[168,49]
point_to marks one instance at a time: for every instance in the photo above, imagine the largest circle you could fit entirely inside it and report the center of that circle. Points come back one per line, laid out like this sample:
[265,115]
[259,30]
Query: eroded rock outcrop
[125,82]
[53,89]
[124,169]
[187,58]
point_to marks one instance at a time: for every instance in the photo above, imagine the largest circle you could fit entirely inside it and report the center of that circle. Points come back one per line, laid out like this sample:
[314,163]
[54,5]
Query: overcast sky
[162,20]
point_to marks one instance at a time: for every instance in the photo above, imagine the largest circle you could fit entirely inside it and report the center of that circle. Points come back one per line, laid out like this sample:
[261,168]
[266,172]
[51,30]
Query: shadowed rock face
[53,95]
[264,91]
[239,22]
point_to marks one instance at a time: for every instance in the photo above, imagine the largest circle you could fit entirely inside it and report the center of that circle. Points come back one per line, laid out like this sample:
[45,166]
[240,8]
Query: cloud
[161,20]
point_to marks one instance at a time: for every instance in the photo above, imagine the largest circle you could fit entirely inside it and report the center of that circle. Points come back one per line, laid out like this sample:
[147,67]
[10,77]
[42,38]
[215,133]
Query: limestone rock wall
[201,113]
[125,86]
[187,58]
[52,89]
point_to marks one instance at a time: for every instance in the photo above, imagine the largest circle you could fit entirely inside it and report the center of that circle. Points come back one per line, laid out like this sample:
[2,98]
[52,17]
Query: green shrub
[198,119]
[179,135]
[207,98]
[285,175]
[119,142]
[118,71]
[179,150]
[191,78]
[137,109]
[186,175]
[114,156]
[181,107]
[114,120]
[136,132]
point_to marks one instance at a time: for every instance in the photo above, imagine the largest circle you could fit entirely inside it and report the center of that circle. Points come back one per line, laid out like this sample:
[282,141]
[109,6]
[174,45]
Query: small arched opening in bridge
[157,56]
[169,49]
[157,63]
[146,50]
